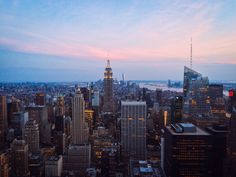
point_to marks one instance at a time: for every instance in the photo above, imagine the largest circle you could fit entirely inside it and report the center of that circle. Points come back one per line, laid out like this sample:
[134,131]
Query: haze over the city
[146,40]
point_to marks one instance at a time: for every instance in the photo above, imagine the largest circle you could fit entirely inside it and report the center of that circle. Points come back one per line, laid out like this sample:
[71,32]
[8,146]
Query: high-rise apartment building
[31,135]
[108,89]
[133,128]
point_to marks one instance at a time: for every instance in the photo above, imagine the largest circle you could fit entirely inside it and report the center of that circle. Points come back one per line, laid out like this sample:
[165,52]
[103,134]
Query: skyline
[70,41]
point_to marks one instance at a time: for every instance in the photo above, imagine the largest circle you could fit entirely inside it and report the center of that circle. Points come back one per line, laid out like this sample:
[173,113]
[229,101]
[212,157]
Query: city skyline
[71,41]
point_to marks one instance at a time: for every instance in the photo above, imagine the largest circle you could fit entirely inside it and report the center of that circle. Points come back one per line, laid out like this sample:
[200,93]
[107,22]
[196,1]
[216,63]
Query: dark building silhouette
[59,123]
[190,151]
[219,146]
[232,124]
[36,166]
[159,96]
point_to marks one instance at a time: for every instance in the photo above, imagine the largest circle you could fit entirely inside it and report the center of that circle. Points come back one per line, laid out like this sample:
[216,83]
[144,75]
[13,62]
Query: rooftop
[186,129]
[133,103]
[54,158]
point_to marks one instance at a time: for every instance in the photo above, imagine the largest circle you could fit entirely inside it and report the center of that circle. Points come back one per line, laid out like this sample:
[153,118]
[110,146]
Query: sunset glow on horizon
[153,35]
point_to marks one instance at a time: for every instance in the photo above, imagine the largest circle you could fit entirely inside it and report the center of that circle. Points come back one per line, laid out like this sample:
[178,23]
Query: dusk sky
[70,40]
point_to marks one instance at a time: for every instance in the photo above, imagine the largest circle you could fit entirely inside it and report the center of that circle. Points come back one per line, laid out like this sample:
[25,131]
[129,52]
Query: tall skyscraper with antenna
[191,54]
[108,89]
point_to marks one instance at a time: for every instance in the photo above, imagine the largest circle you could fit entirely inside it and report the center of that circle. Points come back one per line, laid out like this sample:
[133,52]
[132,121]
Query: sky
[61,40]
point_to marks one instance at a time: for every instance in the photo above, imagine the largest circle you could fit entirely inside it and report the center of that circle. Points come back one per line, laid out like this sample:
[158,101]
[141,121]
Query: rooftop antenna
[191,54]
[108,59]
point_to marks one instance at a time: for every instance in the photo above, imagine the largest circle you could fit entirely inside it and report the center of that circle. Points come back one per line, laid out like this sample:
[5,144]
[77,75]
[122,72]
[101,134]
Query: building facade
[190,151]
[53,166]
[133,128]
[195,94]
[31,135]
[19,158]
[79,128]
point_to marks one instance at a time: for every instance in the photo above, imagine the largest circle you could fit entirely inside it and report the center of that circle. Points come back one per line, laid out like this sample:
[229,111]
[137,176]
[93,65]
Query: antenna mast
[191,54]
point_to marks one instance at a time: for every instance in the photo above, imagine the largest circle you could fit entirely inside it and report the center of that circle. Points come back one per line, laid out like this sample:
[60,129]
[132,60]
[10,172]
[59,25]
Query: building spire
[191,54]
[108,63]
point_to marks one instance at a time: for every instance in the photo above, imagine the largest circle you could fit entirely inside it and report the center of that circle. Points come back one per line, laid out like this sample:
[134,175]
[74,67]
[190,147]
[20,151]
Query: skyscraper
[40,114]
[79,129]
[188,151]
[191,151]
[95,99]
[87,96]
[78,155]
[60,108]
[217,102]
[60,112]
[19,158]
[189,75]
[18,121]
[31,135]
[108,89]
[158,96]
[219,146]
[59,136]
[232,125]
[3,119]
[133,128]
[195,93]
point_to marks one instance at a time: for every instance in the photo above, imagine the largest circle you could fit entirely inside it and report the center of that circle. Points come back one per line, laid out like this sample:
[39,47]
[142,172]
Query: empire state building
[108,89]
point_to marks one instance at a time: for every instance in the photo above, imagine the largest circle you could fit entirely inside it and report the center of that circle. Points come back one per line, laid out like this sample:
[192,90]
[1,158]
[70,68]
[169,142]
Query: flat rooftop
[133,103]
[187,129]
